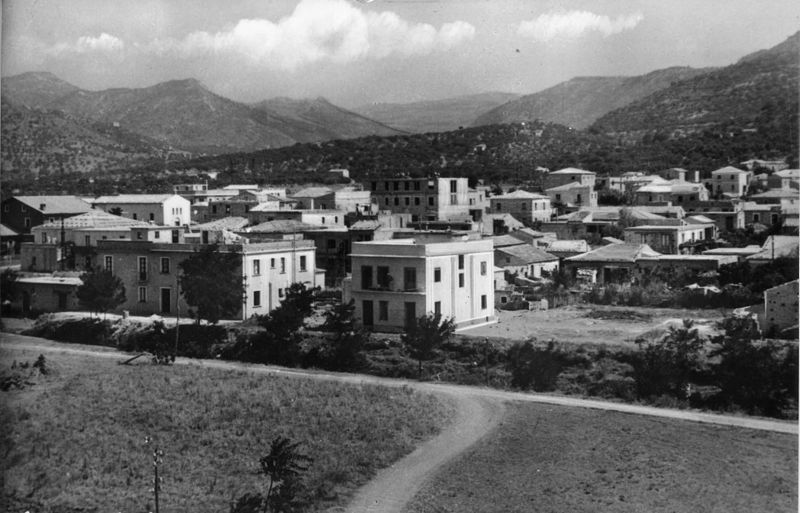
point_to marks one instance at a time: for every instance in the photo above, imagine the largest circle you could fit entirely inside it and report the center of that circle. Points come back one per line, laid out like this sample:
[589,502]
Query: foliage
[77,331]
[22,374]
[670,365]
[211,281]
[533,367]
[9,288]
[344,352]
[425,335]
[100,291]
[758,376]
[759,278]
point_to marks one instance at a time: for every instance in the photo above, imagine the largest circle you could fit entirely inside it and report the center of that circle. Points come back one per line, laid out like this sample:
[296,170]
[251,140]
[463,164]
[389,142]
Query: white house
[160,209]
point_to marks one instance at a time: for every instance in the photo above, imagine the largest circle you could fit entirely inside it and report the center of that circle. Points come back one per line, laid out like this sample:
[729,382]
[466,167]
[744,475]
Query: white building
[161,209]
[395,282]
[524,206]
[730,181]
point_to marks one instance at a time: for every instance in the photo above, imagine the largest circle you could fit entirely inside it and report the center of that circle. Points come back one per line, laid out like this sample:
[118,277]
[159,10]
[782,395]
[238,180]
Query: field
[593,324]
[73,440]
[555,459]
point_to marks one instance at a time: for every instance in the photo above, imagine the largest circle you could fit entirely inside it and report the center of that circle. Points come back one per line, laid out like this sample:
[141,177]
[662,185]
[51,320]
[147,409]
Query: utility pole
[158,458]
[177,314]
[486,359]
[63,245]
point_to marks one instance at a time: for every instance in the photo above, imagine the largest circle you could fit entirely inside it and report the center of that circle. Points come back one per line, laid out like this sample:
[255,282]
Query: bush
[88,331]
[534,368]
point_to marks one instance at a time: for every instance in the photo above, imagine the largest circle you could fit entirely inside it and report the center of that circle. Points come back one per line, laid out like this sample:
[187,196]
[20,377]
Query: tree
[425,335]
[344,351]
[100,291]
[211,282]
[9,288]
[533,367]
[671,364]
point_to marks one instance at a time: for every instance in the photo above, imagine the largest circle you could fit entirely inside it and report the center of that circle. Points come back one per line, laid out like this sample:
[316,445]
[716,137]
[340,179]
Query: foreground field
[593,324]
[554,459]
[74,439]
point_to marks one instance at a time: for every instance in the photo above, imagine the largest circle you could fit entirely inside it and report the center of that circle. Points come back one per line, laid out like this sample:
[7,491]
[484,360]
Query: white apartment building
[426,199]
[160,209]
[394,282]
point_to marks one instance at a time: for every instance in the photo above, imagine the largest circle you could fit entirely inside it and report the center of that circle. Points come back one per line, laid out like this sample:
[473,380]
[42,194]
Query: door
[411,314]
[368,317]
[165,300]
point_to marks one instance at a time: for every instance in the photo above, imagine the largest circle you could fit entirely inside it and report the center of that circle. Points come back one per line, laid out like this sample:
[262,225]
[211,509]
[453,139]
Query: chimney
[42,206]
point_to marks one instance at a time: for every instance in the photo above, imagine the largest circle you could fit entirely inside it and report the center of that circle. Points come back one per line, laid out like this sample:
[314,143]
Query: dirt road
[478,411]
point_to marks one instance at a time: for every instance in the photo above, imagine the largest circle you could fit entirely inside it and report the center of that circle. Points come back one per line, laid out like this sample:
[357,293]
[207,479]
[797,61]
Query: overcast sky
[355,52]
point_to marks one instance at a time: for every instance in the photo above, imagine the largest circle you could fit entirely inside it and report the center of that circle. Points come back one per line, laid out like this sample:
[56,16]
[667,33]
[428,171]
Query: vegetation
[669,366]
[425,335]
[217,294]
[101,290]
[75,439]
[9,288]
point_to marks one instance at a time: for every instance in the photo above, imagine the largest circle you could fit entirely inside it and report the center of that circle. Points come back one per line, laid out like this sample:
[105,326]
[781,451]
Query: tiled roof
[96,219]
[569,246]
[572,171]
[519,194]
[698,219]
[728,170]
[526,254]
[5,231]
[506,240]
[784,246]
[568,186]
[282,226]
[231,223]
[133,198]
[617,253]
[312,192]
[778,193]
[788,173]
[366,224]
[55,204]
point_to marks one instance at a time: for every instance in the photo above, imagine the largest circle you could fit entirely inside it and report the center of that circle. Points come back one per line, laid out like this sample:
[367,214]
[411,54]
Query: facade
[48,293]
[394,282]
[426,199]
[85,229]
[308,216]
[781,307]
[347,199]
[525,260]
[729,181]
[570,175]
[784,179]
[673,192]
[309,198]
[160,209]
[727,214]
[573,195]
[665,239]
[22,213]
[523,206]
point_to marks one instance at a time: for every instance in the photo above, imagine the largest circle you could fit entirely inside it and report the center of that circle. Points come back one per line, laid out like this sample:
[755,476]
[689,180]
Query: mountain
[186,115]
[582,100]
[434,115]
[330,121]
[34,89]
[759,91]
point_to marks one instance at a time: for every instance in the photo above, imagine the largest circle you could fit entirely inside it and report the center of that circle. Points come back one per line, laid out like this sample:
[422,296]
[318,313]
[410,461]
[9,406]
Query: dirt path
[478,411]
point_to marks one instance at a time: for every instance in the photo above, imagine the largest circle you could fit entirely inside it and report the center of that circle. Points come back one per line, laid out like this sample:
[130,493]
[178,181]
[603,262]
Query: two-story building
[160,209]
[673,192]
[522,205]
[570,175]
[729,181]
[21,213]
[572,196]
[665,239]
[426,199]
[394,282]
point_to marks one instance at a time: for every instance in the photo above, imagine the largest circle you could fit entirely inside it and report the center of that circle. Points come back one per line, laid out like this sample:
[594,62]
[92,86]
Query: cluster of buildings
[399,247]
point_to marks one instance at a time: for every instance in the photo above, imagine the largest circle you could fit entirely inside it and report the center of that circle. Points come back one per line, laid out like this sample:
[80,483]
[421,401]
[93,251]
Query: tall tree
[424,336]
[100,291]
[211,282]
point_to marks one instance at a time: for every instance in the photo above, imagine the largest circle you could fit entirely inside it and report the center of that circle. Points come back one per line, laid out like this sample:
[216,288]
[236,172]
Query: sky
[356,52]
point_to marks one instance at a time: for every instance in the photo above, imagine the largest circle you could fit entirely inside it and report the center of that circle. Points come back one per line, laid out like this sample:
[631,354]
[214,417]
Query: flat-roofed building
[160,209]
[426,199]
[394,282]
[524,206]
[666,239]
[570,175]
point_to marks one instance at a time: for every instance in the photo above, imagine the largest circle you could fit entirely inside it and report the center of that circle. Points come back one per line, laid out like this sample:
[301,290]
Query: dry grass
[556,459]
[75,439]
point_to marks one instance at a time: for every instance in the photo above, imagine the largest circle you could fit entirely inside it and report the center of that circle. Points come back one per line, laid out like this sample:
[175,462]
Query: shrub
[88,331]
[534,368]
[668,366]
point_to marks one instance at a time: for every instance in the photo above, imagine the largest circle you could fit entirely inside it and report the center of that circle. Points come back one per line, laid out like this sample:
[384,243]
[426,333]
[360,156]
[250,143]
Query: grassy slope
[75,438]
[553,459]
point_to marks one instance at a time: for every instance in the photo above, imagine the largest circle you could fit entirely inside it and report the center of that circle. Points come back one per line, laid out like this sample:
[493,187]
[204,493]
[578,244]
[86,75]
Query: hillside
[582,100]
[760,90]
[436,115]
[34,89]
[37,143]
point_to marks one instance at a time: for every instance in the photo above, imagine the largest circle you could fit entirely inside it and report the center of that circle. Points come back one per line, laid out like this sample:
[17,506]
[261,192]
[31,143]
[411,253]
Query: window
[256,267]
[152,216]
[139,235]
[27,222]
[373,186]
[386,200]
[396,201]
[272,263]
[437,307]
[483,268]
[213,209]
[143,294]
[453,186]
[409,278]
[164,265]
[460,261]
[558,197]
[397,186]
[44,238]
[366,277]
[460,280]
[157,235]
[407,201]
[142,268]
[524,207]
[483,302]
[256,298]
[430,200]
[383,276]
[87,240]
[437,274]
[383,310]
[416,200]
[280,292]
[22,208]
[108,263]
[283,265]
[407,185]
[416,186]
[386,185]
[454,199]
[135,216]
[303,263]
[498,206]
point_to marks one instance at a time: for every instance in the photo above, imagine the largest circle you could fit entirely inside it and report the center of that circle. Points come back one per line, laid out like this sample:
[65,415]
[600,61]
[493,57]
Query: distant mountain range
[435,115]
[579,102]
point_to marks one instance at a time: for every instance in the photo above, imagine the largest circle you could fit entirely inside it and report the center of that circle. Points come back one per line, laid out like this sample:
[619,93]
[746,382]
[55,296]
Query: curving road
[478,411]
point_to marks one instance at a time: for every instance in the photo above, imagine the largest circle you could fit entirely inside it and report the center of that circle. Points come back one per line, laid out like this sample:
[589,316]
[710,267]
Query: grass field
[74,440]
[557,459]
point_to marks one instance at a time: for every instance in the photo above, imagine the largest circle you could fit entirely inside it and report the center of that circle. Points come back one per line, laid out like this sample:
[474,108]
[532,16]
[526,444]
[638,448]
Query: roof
[55,204]
[788,173]
[312,192]
[572,171]
[524,254]
[231,223]
[747,250]
[784,246]
[366,224]
[519,194]
[571,185]
[778,193]
[282,226]
[788,284]
[698,219]
[51,280]
[611,214]
[613,240]
[506,240]
[96,219]
[728,170]
[672,187]
[5,231]
[628,253]
[569,246]
[134,198]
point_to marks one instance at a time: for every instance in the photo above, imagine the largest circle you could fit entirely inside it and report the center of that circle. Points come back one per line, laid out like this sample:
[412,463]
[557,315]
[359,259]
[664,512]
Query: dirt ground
[574,324]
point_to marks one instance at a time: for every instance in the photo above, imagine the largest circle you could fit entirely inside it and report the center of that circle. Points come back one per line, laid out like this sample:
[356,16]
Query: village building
[318,217]
[524,206]
[48,293]
[570,175]
[525,260]
[394,282]
[781,308]
[729,181]
[22,213]
[348,199]
[426,199]
[784,179]
[727,214]
[573,195]
[776,246]
[160,209]
[671,192]
[666,239]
